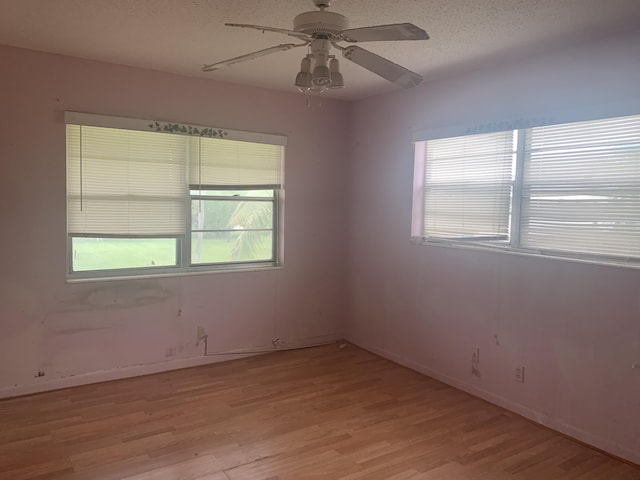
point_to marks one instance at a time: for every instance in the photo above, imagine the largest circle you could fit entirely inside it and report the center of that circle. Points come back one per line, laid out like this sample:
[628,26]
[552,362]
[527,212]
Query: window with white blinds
[467,189]
[130,197]
[217,162]
[570,190]
[124,182]
[581,188]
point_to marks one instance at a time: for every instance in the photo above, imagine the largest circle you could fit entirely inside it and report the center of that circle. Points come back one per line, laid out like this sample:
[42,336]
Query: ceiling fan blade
[250,56]
[396,31]
[381,66]
[291,33]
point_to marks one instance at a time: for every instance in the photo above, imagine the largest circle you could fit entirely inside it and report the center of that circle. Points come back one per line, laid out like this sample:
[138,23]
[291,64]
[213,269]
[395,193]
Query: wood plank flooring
[322,413]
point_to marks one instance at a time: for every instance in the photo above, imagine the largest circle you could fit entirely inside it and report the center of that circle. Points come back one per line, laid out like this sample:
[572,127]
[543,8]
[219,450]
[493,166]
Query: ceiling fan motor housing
[321,23]
[322,3]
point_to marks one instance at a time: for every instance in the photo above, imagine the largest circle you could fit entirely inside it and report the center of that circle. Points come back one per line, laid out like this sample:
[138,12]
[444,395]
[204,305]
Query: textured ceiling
[181,35]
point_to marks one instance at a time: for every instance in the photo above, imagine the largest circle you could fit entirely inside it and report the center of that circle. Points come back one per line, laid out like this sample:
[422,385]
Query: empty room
[312,239]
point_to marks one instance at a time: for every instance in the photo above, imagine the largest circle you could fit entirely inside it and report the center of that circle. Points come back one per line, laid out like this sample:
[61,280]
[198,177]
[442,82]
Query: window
[564,190]
[232,225]
[166,201]
[468,183]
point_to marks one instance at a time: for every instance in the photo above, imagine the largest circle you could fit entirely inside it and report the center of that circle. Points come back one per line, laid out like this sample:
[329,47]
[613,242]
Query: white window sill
[592,260]
[181,273]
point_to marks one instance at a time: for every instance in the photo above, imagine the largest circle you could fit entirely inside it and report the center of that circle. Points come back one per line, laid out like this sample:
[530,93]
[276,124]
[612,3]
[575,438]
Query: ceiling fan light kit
[336,77]
[320,31]
[303,79]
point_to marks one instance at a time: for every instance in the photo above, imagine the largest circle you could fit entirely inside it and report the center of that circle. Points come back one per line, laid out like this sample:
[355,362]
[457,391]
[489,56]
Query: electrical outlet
[519,374]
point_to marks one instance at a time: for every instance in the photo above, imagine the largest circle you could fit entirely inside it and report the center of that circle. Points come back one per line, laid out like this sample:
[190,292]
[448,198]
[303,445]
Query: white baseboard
[550,422]
[115,374]
[44,385]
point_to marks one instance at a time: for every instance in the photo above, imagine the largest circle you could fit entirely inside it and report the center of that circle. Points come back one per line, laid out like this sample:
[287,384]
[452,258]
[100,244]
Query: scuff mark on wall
[177,351]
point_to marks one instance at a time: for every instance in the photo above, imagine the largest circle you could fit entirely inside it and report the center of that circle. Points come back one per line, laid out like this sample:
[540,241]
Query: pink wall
[77,333]
[575,327]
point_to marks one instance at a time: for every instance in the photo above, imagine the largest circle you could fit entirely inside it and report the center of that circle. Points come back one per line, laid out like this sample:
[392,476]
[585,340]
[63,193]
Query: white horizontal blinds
[468,182]
[217,162]
[581,188]
[125,182]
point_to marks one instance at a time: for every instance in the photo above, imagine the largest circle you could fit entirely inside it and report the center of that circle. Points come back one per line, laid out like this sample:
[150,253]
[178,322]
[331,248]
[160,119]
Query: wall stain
[73,331]
[20,308]
[174,351]
[118,296]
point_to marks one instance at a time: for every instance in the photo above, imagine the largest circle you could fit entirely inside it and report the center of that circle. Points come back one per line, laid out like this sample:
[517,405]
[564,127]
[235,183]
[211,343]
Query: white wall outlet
[519,374]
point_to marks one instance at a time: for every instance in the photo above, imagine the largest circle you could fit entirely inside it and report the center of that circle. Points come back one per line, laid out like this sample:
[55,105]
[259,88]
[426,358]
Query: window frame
[183,265]
[275,202]
[119,272]
[513,245]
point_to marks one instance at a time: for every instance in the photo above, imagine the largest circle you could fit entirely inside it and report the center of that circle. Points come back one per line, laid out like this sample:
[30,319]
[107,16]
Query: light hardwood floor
[320,413]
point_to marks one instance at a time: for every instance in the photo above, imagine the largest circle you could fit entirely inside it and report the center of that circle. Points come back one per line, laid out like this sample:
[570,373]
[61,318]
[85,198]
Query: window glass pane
[233,193]
[115,253]
[231,214]
[225,247]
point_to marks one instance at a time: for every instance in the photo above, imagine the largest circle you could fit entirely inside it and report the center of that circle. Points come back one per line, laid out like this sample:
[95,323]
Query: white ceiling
[181,35]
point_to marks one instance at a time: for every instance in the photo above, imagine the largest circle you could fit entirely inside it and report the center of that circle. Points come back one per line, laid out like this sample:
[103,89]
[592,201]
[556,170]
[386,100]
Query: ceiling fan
[321,30]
